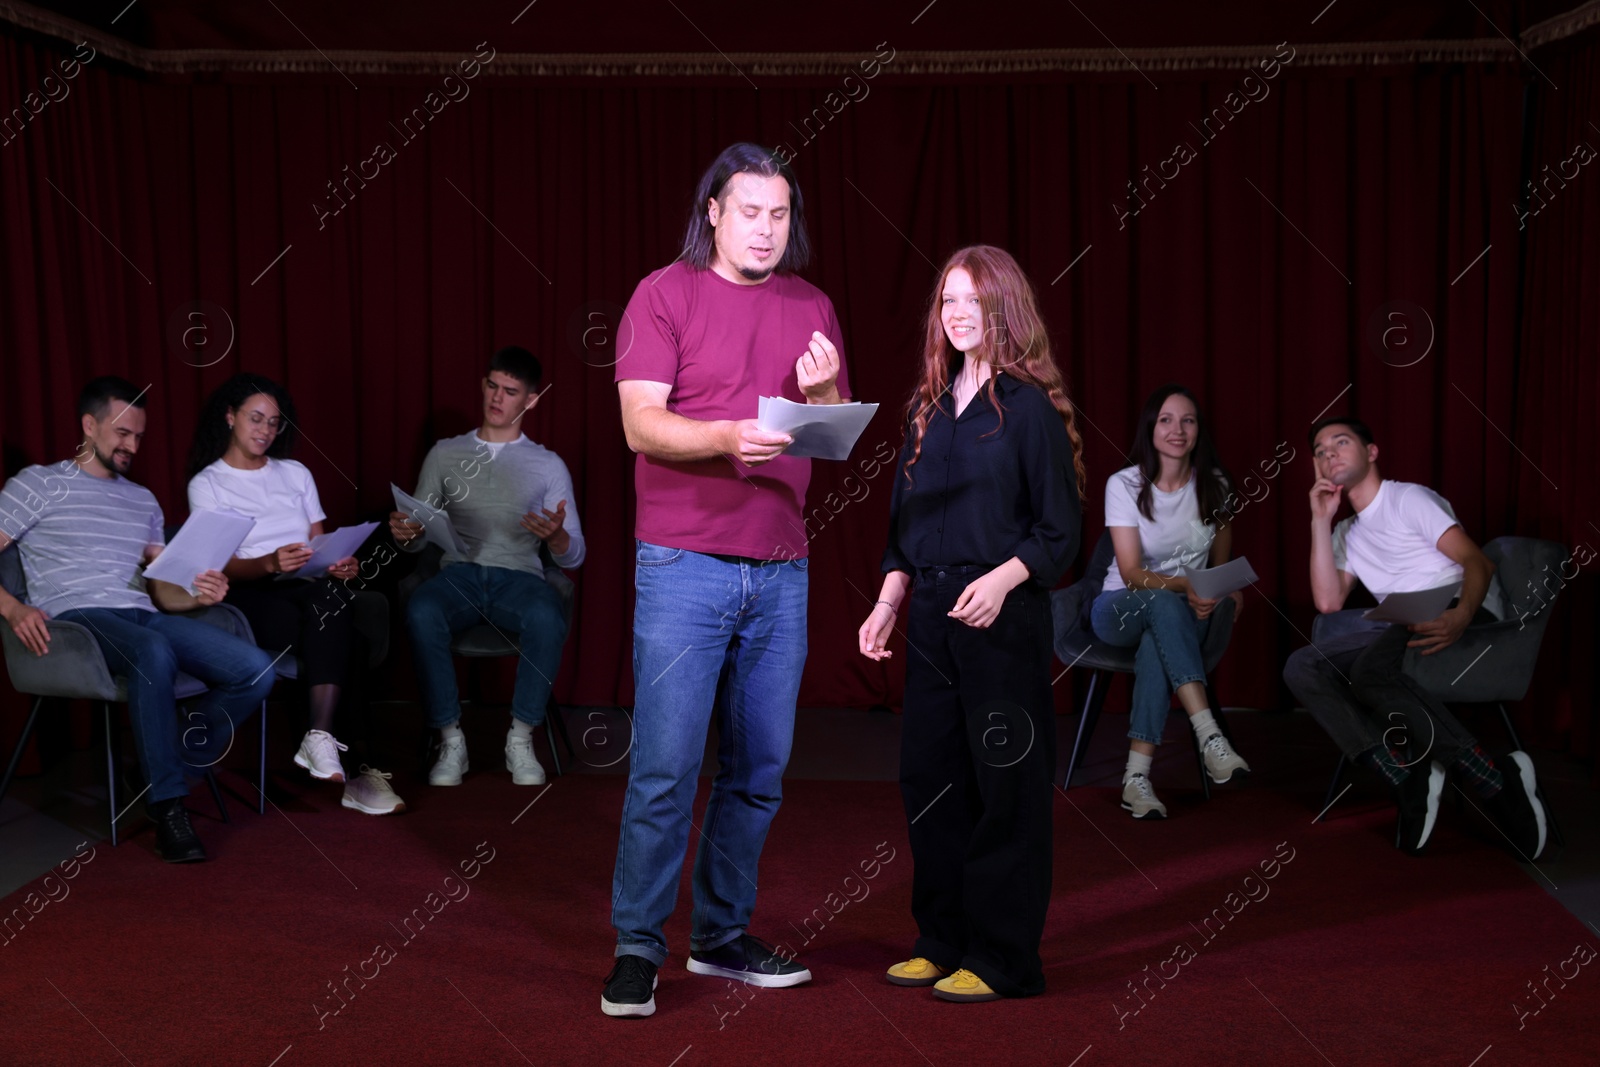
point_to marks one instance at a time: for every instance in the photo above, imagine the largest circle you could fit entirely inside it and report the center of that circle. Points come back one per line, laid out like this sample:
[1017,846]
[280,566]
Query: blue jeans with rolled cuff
[721,635]
[1168,636]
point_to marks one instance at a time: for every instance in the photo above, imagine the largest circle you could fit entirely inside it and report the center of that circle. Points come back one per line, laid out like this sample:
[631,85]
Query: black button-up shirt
[985,490]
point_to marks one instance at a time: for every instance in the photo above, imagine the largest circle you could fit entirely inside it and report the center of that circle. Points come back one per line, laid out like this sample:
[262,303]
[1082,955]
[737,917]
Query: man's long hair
[699,237]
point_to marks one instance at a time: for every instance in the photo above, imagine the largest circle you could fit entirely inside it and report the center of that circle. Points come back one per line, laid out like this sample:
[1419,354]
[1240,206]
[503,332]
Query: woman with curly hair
[984,520]
[239,461]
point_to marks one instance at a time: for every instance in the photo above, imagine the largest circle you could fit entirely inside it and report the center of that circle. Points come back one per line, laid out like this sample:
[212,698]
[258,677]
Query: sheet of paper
[1214,583]
[329,548]
[205,543]
[1424,605]
[820,431]
[435,523]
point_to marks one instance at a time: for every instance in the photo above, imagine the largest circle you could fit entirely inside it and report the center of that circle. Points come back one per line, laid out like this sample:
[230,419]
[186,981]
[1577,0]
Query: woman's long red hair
[1013,340]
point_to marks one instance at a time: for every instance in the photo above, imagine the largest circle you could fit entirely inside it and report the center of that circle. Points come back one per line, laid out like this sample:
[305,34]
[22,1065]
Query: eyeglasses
[275,424]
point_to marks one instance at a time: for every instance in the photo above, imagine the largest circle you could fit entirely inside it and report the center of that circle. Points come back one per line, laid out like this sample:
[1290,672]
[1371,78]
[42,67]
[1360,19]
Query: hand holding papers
[1408,609]
[206,543]
[436,525]
[329,548]
[820,431]
[1214,583]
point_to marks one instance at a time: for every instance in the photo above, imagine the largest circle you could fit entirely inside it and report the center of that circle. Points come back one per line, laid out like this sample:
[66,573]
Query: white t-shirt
[1392,545]
[281,497]
[1174,539]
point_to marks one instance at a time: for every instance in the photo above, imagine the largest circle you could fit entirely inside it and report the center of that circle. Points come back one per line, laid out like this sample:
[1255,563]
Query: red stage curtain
[1558,377]
[1254,273]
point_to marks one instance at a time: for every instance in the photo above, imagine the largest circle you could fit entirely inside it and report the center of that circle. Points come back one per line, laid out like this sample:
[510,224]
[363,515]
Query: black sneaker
[175,837]
[630,989]
[1516,809]
[1418,800]
[750,960]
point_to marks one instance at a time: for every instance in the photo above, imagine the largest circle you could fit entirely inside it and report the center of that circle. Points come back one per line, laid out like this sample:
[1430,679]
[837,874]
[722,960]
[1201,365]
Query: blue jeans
[518,603]
[1168,636]
[148,649]
[698,620]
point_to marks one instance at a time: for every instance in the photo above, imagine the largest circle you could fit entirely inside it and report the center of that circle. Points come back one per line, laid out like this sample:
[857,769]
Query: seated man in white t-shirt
[1402,538]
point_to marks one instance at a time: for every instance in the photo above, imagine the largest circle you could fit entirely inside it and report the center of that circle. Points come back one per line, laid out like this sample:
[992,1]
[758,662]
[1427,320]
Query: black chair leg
[22,743]
[1511,731]
[1333,787]
[552,719]
[216,794]
[261,770]
[111,774]
[1092,701]
[561,729]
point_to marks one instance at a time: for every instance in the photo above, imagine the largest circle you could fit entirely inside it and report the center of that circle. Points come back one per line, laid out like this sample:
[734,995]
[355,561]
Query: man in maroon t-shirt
[721,565]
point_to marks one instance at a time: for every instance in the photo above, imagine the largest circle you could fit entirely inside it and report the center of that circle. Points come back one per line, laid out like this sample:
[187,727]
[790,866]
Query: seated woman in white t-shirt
[1165,513]
[237,461]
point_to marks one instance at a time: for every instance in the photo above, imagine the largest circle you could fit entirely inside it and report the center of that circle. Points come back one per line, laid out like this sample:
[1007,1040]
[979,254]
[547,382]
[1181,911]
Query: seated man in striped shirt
[84,531]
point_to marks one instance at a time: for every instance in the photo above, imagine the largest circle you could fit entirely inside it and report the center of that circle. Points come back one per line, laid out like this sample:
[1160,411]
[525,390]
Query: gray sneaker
[1222,762]
[1139,798]
[369,792]
[451,764]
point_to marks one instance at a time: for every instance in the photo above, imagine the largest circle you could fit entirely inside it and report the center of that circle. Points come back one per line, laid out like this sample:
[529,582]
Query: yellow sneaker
[964,987]
[916,971]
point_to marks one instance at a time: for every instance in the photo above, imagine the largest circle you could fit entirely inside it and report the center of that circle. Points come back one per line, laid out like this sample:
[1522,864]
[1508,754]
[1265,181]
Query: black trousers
[310,619]
[977,767]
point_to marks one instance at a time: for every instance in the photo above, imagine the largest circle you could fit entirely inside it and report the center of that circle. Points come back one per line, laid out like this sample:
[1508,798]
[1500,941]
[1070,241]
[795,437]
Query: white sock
[1204,725]
[1138,763]
[451,732]
[520,729]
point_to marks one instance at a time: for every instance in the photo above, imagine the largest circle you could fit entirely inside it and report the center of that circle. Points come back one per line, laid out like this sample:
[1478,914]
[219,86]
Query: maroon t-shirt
[722,346]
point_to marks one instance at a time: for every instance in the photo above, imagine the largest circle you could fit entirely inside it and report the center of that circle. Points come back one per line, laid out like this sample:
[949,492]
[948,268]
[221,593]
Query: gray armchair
[75,669]
[1077,646]
[1527,572]
[489,642]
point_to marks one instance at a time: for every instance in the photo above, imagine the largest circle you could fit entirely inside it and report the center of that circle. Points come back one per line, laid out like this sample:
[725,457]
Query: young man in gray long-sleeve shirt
[505,495]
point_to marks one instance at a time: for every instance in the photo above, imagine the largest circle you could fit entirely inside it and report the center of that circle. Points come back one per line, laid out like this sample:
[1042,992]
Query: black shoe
[1418,800]
[630,989]
[1516,809]
[175,837]
[749,960]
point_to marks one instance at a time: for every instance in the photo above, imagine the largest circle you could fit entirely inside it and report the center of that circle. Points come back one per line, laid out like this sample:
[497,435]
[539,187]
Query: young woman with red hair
[984,520]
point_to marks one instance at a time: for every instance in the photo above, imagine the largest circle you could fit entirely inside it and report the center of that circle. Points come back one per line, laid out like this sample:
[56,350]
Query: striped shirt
[81,538]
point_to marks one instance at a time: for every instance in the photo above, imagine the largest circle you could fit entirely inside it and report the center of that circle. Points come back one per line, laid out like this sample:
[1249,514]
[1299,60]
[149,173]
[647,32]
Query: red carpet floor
[1351,953]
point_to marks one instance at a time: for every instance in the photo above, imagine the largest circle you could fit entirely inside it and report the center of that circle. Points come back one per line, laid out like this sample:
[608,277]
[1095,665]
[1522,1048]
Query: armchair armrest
[74,667]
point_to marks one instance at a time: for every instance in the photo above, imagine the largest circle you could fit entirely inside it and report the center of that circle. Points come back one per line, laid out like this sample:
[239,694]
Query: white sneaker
[319,754]
[1139,798]
[1222,762]
[452,762]
[521,762]
[369,792]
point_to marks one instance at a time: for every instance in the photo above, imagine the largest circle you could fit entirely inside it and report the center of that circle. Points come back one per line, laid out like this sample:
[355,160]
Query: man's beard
[755,274]
[109,462]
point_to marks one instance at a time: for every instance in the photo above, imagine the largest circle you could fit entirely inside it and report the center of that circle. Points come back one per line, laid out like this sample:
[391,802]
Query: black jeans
[977,767]
[1354,687]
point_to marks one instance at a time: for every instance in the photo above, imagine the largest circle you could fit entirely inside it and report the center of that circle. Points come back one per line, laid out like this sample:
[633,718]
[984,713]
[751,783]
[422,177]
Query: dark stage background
[1343,234]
